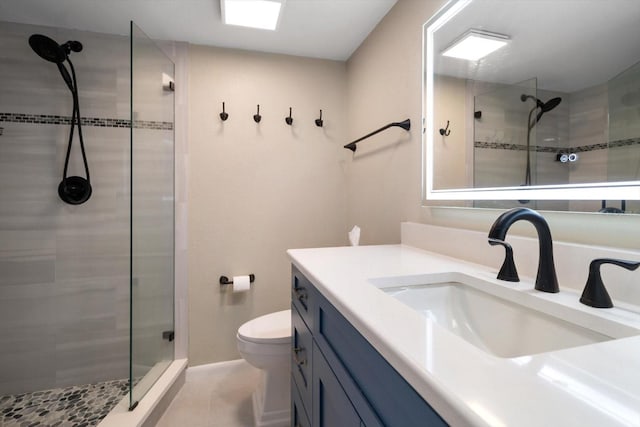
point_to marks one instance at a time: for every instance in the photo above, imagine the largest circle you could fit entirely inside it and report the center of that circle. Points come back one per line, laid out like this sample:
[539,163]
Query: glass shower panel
[503,143]
[623,160]
[152,213]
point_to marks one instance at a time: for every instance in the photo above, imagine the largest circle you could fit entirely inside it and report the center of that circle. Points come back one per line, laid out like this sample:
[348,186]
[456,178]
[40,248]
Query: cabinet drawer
[303,296]
[299,416]
[301,356]
[331,405]
[394,401]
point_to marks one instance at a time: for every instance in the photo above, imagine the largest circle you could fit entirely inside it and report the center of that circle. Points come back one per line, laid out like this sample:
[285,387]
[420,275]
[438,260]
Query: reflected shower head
[548,106]
[551,104]
[544,107]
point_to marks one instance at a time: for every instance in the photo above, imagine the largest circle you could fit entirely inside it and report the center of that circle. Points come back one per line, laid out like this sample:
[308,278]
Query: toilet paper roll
[241,284]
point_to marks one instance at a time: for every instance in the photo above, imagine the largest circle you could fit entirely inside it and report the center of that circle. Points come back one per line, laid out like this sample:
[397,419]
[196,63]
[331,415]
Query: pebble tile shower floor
[75,406]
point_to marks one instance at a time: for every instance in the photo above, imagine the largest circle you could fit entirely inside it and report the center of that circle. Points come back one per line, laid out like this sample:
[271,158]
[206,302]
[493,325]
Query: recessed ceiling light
[263,14]
[475,44]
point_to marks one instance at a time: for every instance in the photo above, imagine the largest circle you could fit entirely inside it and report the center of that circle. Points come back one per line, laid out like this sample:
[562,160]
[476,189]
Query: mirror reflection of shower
[74,190]
[541,108]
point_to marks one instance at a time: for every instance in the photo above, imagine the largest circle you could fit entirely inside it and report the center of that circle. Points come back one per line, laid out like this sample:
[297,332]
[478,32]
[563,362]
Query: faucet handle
[595,294]
[508,270]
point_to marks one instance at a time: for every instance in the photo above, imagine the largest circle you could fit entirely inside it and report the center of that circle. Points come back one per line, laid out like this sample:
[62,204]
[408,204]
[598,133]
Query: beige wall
[384,77]
[384,86]
[256,190]
[453,150]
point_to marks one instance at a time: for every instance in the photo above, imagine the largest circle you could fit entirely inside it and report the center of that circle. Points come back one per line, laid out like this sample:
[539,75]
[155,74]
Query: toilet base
[272,398]
[262,418]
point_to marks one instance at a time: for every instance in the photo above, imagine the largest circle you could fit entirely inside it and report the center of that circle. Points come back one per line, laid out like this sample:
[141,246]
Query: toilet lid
[273,328]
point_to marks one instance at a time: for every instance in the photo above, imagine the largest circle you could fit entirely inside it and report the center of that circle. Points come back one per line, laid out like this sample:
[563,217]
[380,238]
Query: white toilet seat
[273,328]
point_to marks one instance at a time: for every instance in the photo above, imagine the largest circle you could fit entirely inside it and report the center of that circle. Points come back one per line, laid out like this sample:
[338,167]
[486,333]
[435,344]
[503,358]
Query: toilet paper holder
[224,280]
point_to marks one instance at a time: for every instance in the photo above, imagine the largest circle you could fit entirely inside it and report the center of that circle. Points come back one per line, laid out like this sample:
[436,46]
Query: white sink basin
[505,327]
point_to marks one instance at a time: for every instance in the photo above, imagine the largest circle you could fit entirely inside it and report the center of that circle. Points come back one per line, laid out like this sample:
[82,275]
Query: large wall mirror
[533,103]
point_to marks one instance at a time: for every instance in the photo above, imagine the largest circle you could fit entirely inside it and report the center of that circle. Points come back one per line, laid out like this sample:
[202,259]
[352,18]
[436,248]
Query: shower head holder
[74,190]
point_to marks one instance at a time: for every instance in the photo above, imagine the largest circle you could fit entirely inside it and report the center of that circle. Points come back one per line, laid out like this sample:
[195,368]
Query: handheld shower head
[74,190]
[544,107]
[551,104]
[47,48]
[548,106]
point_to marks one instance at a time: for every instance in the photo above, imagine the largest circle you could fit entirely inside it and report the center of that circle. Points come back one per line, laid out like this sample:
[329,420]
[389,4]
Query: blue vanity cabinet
[343,381]
[331,404]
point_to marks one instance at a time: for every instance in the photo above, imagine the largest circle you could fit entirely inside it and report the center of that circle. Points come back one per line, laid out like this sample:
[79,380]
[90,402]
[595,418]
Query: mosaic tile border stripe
[514,147]
[86,121]
[547,149]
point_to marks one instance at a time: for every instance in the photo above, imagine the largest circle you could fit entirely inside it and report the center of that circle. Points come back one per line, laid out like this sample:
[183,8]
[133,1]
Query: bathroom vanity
[338,378]
[481,352]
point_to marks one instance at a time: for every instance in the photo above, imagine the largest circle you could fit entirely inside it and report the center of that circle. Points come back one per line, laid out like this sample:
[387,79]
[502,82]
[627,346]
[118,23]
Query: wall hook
[289,119]
[319,121]
[446,131]
[257,117]
[223,116]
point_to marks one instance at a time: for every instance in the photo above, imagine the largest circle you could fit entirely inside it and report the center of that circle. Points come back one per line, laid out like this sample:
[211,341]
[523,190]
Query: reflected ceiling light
[262,14]
[475,44]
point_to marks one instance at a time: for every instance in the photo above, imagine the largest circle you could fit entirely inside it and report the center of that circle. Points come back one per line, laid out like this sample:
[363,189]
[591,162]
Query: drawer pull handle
[296,359]
[301,294]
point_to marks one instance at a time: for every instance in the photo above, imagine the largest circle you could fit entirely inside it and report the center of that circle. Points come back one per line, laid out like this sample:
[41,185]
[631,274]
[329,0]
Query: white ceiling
[330,29]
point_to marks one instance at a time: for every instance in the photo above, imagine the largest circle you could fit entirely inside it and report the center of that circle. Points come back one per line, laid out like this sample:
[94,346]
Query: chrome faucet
[546,280]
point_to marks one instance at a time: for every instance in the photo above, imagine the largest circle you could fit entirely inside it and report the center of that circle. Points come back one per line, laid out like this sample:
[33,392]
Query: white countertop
[592,385]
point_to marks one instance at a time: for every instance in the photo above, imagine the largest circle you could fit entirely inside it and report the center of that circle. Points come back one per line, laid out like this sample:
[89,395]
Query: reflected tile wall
[64,270]
[579,123]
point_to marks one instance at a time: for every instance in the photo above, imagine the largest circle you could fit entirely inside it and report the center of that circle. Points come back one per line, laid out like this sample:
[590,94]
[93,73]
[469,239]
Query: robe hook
[289,119]
[319,122]
[257,117]
[446,131]
[223,116]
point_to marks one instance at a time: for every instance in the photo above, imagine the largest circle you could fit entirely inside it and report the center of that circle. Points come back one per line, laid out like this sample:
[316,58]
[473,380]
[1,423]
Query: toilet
[265,343]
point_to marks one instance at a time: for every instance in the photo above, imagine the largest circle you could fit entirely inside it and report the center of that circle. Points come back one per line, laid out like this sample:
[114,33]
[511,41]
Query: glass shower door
[152,214]
[503,143]
[504,146]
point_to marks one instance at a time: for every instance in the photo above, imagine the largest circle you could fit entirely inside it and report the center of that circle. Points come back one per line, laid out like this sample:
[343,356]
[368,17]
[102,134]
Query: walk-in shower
[541,108]
[74,190]
[86,293]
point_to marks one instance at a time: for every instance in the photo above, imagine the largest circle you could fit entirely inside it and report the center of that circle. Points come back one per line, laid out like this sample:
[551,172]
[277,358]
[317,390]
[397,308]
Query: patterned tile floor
[76,406]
